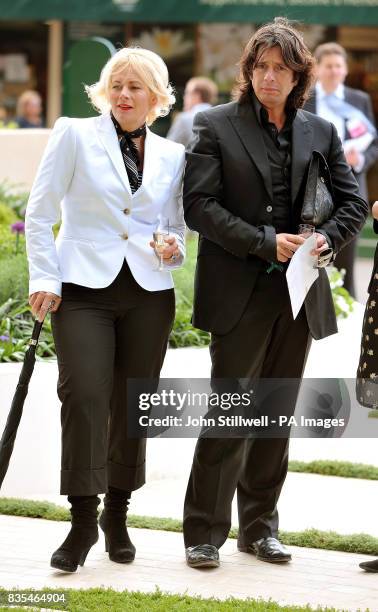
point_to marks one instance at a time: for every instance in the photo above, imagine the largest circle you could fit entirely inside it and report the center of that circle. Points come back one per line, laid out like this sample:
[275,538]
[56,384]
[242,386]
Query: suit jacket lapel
[302,136]
[109,140]
[247,127]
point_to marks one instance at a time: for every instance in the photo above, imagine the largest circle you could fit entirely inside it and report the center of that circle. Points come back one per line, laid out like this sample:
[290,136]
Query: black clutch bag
[318,196]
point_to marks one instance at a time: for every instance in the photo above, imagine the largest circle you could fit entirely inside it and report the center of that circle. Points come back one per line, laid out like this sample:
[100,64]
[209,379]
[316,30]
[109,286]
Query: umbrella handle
[36,332]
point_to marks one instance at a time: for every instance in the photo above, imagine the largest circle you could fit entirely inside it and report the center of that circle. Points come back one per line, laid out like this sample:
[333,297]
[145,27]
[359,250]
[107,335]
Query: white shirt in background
[327,113]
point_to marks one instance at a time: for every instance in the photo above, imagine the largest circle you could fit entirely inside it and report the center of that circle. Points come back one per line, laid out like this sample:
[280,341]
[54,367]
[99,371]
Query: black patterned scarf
[130,152]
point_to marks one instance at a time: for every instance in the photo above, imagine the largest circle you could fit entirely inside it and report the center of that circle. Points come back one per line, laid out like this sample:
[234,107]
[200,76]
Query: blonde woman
[111,179]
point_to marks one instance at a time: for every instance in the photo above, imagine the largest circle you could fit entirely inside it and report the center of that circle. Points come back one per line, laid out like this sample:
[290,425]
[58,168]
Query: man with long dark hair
[243,193]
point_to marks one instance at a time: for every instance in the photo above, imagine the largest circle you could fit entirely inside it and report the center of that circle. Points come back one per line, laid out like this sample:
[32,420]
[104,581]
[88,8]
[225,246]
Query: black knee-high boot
[83,534]
[113,523]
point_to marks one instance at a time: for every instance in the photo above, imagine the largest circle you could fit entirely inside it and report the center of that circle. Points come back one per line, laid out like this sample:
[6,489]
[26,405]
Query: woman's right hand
[43,302]
[374,210]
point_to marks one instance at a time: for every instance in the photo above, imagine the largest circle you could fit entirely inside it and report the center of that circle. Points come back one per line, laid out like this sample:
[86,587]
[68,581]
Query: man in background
[200,94]
[350,110]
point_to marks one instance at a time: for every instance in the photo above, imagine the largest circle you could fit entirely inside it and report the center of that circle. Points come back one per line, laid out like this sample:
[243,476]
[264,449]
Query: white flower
[167,43]
[221,45]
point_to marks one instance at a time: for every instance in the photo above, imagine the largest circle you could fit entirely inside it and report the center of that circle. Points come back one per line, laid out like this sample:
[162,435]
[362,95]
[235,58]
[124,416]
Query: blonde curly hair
[150,68]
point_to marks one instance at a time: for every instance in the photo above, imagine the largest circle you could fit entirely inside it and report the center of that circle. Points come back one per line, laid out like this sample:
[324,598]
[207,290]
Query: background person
[343,106]
[200,94]
[367,372]
[29,110]
[113,310]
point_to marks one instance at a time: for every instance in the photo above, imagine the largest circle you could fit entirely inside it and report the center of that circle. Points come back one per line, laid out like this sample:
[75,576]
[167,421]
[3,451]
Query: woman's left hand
[170,249]
[374,210]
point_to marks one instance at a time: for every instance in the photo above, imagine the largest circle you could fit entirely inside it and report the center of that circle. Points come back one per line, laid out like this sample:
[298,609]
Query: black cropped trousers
[103,337]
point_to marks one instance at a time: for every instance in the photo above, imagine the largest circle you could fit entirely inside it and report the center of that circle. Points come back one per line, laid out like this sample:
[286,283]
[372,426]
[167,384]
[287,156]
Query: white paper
[301,274]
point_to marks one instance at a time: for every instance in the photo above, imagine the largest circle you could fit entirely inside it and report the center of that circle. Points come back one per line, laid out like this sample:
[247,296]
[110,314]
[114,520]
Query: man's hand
[323,252]
[374,210]
[43,302]
[321,244]
[287,244]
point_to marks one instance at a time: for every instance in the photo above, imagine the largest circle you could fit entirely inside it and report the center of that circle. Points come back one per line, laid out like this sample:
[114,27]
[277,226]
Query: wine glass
[306,230]
[161,232]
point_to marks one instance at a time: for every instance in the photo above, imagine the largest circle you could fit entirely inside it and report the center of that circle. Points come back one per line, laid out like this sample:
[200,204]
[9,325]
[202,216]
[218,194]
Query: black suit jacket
[362,101]
[228,199]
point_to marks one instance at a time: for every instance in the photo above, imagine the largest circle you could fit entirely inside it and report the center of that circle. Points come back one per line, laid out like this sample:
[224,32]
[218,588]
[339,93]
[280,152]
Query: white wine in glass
[159,235]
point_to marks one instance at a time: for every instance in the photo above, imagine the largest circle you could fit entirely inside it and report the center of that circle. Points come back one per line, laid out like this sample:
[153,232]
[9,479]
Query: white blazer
[82,180]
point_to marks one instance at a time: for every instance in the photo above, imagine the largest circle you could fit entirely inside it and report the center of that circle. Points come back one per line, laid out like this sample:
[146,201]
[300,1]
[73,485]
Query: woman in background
[367,373]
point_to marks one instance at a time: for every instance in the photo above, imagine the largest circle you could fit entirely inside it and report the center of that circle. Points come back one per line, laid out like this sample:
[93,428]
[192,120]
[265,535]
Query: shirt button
[269,208]
[124,236]
[126,211]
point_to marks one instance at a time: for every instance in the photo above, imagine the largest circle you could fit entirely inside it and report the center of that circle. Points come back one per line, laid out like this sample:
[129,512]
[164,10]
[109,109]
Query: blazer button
[124,236]
[126,211]
[269,208]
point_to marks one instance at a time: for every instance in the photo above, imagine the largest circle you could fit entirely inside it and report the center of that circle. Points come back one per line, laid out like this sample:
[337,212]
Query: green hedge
[14,279]
[9,247]
[7,215]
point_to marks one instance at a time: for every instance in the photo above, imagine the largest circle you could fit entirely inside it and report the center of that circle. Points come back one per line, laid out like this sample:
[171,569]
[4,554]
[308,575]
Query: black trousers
[102,338]
[266,343]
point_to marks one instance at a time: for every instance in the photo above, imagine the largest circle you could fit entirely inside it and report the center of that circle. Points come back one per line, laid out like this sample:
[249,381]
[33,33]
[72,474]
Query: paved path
[314,577]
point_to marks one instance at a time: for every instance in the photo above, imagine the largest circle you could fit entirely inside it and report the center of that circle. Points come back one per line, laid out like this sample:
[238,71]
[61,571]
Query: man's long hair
[280,33]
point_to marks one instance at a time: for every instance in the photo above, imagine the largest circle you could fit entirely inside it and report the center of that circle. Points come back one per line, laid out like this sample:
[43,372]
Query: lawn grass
[86,600]
[359,543]
[344,469]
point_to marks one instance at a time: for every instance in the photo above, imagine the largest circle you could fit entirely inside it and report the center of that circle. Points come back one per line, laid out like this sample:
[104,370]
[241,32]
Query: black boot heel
[71,554]
[113,523]
[82,536]
[83,557]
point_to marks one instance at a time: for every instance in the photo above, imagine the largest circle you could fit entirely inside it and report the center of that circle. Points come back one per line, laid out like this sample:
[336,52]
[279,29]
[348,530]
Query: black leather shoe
[370,566]
[268,549]
[203,555]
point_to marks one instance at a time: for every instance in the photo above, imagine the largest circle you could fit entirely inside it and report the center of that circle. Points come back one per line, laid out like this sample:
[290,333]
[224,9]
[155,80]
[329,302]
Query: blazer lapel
[109,140]
[302,136]
[249,132]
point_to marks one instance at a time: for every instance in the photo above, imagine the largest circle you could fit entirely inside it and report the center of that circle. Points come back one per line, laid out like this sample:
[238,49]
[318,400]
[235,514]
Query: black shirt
[278,146]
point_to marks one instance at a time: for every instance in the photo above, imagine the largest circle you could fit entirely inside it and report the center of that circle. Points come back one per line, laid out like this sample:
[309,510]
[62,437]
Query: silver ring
[173,257]
[51,305]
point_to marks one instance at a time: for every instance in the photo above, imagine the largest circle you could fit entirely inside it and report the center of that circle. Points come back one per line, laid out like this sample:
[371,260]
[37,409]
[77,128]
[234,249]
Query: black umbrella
[15,413]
